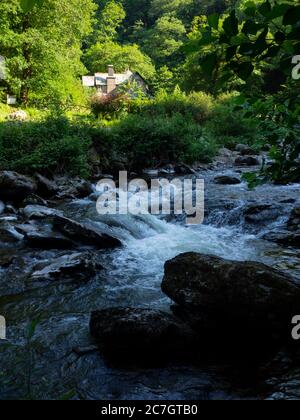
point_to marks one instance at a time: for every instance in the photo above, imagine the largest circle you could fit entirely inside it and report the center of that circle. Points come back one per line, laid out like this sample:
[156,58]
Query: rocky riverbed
[85,295]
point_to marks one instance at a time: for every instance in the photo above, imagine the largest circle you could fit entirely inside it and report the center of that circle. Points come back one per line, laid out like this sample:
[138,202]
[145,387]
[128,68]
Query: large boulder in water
[15,187]
[82,233]
[243,298]
[140,335]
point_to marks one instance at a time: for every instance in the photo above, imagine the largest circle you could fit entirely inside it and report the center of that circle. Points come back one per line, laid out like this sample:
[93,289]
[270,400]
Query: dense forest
[222,72]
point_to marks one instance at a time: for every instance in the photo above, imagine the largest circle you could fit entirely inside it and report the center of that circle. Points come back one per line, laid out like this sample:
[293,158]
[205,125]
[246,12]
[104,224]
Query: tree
[164,41]
[109,18]
[124,57]
[42,57]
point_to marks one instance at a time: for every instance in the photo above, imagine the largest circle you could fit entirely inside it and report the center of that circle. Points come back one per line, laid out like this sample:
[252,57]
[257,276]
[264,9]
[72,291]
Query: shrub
[110,106]
[196,105]
[50,146]
[154,140]
[229,126]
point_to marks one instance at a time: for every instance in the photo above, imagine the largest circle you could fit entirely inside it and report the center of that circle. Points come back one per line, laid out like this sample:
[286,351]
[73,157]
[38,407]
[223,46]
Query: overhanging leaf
[213,21]
[244,70]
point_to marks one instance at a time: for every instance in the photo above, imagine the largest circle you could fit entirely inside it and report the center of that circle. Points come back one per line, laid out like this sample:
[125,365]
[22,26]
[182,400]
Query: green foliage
[49,146]
[110,106]
[197,106]
[229,126]
[124,57]
[150,141]
[42,58]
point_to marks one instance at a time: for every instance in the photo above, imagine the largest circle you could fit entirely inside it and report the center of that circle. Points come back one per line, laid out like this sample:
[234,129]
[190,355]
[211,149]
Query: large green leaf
[265,8]
[213,20]
[231,25]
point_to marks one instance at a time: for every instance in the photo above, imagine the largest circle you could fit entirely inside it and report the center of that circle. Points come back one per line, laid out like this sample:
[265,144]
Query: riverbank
[54,291]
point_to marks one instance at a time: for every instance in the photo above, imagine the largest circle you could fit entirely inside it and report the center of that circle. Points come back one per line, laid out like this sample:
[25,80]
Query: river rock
[82,233]
[246,161]
[283,237]
[294,220]
[77,266]
[227,180]
[183,169]
[34,200]
[240,297]
[40,212]
[140,335]
[262,213]
[69,188]
[47,240]
[46,187]
[15,187]
[245,150]
[8,234]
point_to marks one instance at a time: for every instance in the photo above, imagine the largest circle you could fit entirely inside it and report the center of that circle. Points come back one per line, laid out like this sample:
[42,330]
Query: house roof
[101,78]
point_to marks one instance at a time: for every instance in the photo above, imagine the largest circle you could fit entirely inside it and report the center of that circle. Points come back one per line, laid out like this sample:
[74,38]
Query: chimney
[111,72]
[111,79]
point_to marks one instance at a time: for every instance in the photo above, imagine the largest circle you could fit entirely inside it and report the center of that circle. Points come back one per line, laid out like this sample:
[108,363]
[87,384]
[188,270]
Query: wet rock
[2,207]
[15,187]
[227,180]
[246,297]
[182,169]
[261,213]
[47,240]
[245,150]
[8,234]
[140,335]
[6,260]
[34,200]
[82,233]
[247,161]
[40,212]
[294,220]
[70,188]
[45,187]
[284,238]
[77,266]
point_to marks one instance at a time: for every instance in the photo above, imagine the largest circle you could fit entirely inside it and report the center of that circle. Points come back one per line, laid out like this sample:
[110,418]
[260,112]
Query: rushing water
[131,277]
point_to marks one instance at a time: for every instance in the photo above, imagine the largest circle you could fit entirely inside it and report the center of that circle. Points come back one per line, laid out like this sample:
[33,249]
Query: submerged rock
[77,266]
[84,234]
[140,335]
[239,297]
[15,187]
[227,180]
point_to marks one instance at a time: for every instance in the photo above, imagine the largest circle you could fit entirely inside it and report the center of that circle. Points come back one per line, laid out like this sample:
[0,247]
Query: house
[106,83]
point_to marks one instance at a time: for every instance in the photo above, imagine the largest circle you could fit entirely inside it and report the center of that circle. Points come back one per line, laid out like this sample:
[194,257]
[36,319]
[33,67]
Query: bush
[49,146]
[196,105]
[155,140]
[110,106]
[229,126]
